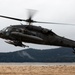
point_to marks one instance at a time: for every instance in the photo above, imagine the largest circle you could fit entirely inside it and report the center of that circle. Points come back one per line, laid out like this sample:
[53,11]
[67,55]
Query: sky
[60,11]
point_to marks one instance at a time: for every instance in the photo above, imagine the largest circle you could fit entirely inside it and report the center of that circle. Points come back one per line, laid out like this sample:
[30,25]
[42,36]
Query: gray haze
[62,11]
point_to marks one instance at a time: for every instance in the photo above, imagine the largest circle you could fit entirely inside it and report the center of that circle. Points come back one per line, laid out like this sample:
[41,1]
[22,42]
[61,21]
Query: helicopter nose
[0,33]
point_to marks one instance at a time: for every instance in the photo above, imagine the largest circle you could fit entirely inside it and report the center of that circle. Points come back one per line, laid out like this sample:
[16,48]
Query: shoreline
[39,64]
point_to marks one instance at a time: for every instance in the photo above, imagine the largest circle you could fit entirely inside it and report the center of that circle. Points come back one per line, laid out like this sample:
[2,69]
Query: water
[39,64]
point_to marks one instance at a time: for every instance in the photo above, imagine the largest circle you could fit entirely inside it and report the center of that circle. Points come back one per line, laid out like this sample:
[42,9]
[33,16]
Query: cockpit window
[5,29]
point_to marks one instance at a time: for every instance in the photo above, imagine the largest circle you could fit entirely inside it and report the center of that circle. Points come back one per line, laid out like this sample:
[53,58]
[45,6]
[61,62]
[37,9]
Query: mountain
[36,55]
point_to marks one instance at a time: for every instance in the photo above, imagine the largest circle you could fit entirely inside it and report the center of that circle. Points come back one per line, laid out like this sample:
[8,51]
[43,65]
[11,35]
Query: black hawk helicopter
[16,34]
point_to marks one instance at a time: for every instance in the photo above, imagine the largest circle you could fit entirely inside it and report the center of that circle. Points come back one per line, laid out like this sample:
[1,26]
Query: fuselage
[35,34]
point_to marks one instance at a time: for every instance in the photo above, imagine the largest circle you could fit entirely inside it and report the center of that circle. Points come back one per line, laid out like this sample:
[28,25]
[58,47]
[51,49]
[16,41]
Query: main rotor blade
[52,23]
[32,21]
[31,13]
[12,18]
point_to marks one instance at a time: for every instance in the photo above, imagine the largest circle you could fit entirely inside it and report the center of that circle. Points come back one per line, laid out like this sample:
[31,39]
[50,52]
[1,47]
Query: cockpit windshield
[5,29]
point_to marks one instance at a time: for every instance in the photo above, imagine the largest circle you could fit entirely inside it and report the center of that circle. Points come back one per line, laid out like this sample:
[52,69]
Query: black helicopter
[16,34]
